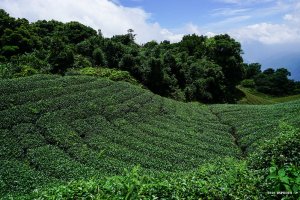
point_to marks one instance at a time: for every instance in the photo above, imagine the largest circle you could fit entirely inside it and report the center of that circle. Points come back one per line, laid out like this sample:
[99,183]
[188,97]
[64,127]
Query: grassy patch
[253,97]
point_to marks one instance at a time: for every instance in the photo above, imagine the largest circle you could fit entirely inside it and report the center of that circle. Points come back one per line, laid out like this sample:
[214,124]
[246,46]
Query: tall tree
[207,80]
[252,70]
[226,52]
[61,56]
[194,45]
[77,32]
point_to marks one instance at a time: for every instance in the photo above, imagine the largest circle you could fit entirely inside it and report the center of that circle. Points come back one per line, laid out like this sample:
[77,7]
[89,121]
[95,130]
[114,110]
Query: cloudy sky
[269,30]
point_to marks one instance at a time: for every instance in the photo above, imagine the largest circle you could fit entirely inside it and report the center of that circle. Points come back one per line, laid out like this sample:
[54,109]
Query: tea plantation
[55,129]
[253,124]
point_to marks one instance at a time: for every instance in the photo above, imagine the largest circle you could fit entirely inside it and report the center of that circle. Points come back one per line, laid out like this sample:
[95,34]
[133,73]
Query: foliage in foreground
[227,178]
[224,179]
[283,152]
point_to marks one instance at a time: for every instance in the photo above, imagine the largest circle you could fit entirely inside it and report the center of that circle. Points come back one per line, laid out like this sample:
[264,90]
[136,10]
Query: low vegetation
[253,97]
[253,124]
[112,74]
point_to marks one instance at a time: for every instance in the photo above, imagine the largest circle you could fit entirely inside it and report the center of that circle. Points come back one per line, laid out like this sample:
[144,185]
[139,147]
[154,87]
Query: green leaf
[272,170]
[272,176]
[296,188]
[284,179]
[287,188]
[281,172]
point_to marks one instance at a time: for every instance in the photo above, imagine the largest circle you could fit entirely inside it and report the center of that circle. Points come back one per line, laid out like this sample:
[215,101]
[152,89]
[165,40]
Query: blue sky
[173,14]
[269,30]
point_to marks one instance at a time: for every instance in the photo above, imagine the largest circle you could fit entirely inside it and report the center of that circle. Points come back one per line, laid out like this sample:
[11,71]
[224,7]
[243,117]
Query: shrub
[26,71]
[36,60]
[278,163]
[98,57]
[6,71]
[81,62]
[227,179]
[112,74]
[286,178]
[27,178]
[282,150]
[248,83]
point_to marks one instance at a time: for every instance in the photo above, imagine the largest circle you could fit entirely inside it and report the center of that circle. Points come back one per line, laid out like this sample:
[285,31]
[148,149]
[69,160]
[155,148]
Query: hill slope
[65,128]
[55,129]
[253,124]
[253,97]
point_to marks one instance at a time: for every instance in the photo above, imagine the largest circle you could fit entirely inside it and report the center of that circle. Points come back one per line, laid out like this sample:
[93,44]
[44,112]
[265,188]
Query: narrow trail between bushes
[232,131]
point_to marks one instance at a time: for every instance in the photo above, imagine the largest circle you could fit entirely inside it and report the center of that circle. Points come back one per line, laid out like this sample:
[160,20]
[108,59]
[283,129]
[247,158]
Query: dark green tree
[6,22]
[127,63]
[194,45]
[226,52]
[206,81]
[19,40]
[77,32]
[48,28]
[61,56]
[275,82]
[98,57]
[252,70]
[159,79]
[114,52]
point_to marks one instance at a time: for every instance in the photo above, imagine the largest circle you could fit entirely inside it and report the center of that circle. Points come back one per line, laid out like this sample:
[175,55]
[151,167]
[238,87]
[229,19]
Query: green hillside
[253,124]
[57,129]
[253,97]
[62,128]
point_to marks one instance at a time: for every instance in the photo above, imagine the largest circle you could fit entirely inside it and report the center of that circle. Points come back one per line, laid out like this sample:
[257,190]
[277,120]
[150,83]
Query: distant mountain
[275,56]
[291,62]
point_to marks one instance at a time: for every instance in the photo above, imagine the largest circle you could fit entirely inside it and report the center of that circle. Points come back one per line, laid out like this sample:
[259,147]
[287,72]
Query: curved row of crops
[64,128]
[55,129]
[254,124]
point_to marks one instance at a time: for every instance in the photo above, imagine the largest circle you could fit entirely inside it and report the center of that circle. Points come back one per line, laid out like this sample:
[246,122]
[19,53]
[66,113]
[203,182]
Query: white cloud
[191,28]
[288,31]
[245,2]
[229,11]
[109,16]
[113,18]
[292,18]
[268,33]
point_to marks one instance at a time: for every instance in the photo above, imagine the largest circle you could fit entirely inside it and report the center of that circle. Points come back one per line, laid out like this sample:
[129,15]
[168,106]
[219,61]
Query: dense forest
[198,68]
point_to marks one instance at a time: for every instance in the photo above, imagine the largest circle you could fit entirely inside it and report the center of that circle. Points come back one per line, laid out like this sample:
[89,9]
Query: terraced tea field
[253,124]
[55,129]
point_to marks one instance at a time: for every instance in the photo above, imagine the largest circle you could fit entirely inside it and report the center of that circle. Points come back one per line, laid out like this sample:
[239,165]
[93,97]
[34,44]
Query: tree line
[270,81]
[197,68]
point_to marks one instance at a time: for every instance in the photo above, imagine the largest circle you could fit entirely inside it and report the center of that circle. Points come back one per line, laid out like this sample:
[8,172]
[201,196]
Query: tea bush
[222,179]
